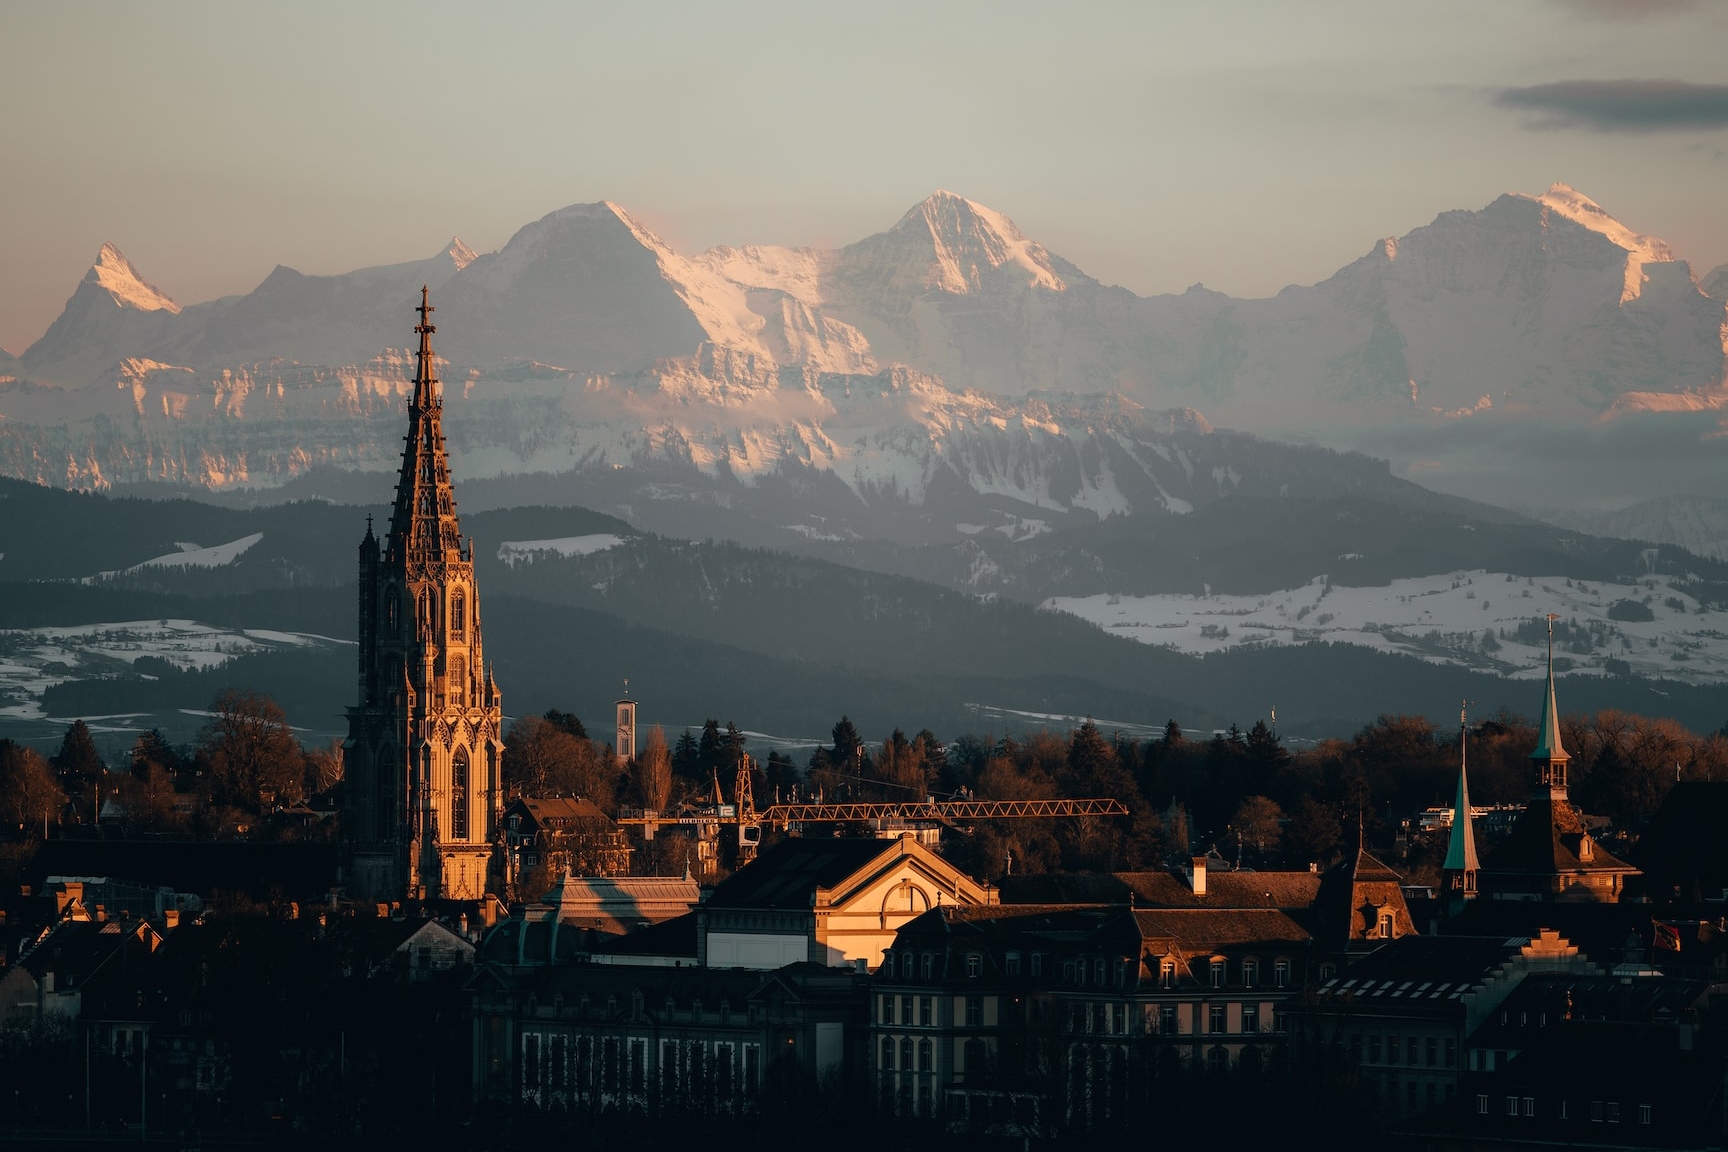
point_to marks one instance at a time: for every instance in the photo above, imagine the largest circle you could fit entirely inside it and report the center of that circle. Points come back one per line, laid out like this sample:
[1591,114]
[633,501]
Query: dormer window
[1167,973]
[1218,973]
[974,965]
[1386,925]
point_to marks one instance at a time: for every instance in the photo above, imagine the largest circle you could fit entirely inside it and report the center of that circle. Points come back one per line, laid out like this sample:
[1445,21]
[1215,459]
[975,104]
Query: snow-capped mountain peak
[113,273]
[950,244]
[460,254]
[1565,201]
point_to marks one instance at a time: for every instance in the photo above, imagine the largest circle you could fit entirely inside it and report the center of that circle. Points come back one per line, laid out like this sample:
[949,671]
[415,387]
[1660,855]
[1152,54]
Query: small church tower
[423,749]
[1550,854]
[626,709]
[1458,873]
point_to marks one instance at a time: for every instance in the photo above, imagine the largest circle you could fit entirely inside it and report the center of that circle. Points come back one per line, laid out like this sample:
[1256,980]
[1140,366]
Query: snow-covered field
[514,552]
[33,659]
[189,556]
[1487,620]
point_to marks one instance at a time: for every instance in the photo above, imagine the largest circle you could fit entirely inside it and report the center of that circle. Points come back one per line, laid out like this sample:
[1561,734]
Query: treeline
[246,776]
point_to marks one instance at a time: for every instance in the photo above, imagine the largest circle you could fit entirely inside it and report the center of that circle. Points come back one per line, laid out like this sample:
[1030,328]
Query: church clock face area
[424,744]
[626,743]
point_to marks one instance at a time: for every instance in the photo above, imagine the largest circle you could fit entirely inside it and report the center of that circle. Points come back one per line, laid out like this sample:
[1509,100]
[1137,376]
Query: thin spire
[1548,746]
[1461,847]
[425,394]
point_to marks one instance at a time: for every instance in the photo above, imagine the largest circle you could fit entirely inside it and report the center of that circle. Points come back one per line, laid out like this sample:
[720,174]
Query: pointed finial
[423,379]
[1548,745]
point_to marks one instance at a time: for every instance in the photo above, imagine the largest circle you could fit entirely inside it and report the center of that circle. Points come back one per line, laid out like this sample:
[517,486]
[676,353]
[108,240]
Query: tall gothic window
[491,791]
[459,616]
[386,792]
[459,795]
[459,679]
[393,611]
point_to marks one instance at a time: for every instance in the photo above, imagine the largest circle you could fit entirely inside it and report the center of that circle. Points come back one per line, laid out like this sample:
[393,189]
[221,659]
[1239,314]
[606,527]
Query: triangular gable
[940,878]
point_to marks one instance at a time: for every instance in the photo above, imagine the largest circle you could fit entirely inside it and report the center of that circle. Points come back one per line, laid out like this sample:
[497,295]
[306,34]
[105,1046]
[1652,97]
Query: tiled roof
[558,809]
[1231,889]
[674,937]
[1546,840]
[1198,929]
[788,874]
[1424,967]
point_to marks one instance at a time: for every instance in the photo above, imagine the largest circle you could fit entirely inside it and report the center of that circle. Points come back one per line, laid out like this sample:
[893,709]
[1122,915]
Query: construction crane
[742,813]
[945,811]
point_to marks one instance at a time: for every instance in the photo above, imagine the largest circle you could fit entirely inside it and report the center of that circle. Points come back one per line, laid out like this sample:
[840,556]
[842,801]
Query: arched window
[385,800]
[491,791]
[459,795]
[459,679]
[393,611]
[424,615]
[459,615]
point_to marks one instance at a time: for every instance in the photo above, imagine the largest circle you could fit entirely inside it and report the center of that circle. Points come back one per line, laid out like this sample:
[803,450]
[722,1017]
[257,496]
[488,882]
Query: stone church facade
[424,741]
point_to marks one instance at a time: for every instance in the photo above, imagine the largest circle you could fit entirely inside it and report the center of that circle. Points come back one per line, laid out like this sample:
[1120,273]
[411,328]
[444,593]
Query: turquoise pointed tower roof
[1461,847]
[1548,746]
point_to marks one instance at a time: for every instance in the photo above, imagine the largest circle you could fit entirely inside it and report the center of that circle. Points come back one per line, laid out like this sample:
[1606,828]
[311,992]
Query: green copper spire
[1548,745]
[1461,848]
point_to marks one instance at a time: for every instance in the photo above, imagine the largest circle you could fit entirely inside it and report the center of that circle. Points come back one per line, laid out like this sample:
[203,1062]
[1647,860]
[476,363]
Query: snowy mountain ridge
[949,350]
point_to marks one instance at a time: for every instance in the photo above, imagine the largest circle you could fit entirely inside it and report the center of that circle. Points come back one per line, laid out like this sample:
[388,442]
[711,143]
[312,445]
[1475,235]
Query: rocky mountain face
[1698,524]
[949,370]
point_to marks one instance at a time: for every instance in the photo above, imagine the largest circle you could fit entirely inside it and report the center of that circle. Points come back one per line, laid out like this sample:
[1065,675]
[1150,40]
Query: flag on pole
[1667,936]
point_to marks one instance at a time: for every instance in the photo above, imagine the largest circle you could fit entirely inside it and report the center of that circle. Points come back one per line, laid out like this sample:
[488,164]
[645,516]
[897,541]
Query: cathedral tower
[423,748]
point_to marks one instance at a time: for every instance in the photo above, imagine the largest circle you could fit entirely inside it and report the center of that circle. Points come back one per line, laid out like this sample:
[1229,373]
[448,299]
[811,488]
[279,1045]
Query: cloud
[1629,9]
[1622,105]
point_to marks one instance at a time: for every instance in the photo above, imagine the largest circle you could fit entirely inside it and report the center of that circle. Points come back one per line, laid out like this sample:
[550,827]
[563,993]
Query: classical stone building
[423,748]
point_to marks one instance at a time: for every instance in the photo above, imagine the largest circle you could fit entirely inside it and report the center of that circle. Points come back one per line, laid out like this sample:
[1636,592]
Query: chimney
[1199,876]
[171,918]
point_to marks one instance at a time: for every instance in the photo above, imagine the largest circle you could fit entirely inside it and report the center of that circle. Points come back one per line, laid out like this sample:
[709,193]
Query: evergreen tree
[152,750]
[731,748]
[687,757]
[847,754]
[567,722]
[77,764]
[709,751]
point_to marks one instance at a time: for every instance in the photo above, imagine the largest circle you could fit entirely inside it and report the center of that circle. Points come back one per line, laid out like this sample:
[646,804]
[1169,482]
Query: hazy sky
[1246,145]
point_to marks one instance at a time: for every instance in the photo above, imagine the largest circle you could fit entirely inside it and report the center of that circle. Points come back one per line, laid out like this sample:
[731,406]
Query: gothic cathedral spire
[423,743]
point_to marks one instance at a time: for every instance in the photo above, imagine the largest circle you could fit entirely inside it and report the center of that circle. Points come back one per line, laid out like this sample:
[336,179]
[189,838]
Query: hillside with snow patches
[1656,627]
[949,353]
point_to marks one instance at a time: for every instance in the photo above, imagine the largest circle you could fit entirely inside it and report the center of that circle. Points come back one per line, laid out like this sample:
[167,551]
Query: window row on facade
[584,1069]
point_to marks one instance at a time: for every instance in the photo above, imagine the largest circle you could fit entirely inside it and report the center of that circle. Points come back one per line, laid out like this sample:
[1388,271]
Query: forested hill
[777,642]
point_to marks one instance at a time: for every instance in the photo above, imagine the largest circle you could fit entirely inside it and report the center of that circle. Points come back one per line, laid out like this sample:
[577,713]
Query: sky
[1241,145]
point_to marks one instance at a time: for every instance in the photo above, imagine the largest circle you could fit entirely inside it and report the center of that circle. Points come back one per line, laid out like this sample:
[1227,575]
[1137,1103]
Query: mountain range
[939,418]
[1483,353]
